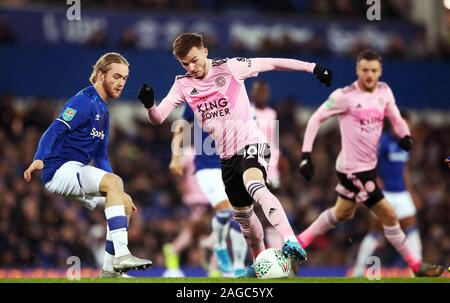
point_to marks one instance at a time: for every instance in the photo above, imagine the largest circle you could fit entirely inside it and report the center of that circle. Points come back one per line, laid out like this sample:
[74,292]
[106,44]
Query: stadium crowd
[38,229]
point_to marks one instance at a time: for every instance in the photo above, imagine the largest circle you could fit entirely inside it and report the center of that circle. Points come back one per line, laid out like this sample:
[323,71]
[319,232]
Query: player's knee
[222,205]
[253,174]
[389,218]
[128,204]
[111,182]
[344,215]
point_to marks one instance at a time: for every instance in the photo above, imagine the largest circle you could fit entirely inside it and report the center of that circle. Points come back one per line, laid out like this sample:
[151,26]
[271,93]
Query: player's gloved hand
[306,167]
[323,74]
[146,96]
[406,143]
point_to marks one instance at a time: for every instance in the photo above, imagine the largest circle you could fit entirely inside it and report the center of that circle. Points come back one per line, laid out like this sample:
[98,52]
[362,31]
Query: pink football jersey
[220,102]
[361,116]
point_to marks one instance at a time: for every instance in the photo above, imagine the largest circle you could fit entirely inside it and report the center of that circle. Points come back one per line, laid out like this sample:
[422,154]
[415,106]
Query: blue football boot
[294,250]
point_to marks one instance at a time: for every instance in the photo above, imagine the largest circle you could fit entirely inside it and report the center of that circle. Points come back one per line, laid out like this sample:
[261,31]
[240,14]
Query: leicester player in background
[78,136]
[361,108]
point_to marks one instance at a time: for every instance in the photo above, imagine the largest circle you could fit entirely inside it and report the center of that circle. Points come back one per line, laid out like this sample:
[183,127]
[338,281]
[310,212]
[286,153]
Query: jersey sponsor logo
[370,119]
[213,109]
[68,114]
[95,133]
[220,81]
[371,124]
[193,92]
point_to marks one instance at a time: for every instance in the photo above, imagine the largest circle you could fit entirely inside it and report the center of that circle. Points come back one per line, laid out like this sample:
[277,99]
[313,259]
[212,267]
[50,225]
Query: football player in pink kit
[361,108]
[215,91]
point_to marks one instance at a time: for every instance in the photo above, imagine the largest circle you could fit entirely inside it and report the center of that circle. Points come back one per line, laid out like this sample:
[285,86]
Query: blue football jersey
[391,163]
[86,119]
[203,159]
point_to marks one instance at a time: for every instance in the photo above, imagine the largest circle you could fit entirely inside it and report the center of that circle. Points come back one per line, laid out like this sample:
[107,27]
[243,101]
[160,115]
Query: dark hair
[369,55]
[184,42]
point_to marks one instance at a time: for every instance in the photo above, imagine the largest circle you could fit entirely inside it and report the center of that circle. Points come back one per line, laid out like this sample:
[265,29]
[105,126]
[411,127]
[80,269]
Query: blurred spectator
[39,113]
[97,39]
[397,47]
[344,8]
[128,38]
[444,39]
[10,122]
[320,9]
[396,9]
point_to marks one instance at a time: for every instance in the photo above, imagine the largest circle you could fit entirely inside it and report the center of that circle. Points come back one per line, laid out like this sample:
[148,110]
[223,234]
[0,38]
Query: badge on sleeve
[68,114]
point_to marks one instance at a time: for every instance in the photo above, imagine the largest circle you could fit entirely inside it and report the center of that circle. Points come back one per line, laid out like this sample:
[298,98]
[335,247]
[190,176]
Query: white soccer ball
[272,264]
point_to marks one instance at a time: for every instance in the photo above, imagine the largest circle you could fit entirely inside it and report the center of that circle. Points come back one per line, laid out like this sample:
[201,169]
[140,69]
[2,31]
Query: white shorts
[402,203]
[211,184]
[79,182]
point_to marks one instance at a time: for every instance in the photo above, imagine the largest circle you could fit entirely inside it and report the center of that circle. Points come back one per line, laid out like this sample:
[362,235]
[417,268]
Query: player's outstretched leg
[395,235]
[274,212]
[253,233]
[326,221]
[343,210]
[117,205]
[107,269]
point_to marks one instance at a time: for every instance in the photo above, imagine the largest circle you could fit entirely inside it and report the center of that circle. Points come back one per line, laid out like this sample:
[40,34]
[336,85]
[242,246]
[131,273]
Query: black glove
[323,74]
[406,143]
[306,167]
[146,96]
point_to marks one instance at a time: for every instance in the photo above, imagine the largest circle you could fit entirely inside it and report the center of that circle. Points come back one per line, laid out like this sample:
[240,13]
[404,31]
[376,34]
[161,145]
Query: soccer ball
[272,264]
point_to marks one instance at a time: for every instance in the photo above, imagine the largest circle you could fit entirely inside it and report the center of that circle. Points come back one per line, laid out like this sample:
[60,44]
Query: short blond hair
[103,63]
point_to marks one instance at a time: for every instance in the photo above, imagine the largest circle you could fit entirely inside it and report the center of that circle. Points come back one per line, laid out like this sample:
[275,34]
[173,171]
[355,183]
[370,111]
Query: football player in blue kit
[79,135]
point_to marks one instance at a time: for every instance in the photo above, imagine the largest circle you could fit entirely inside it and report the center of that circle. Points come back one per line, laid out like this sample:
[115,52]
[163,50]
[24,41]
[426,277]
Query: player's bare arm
[36,165]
